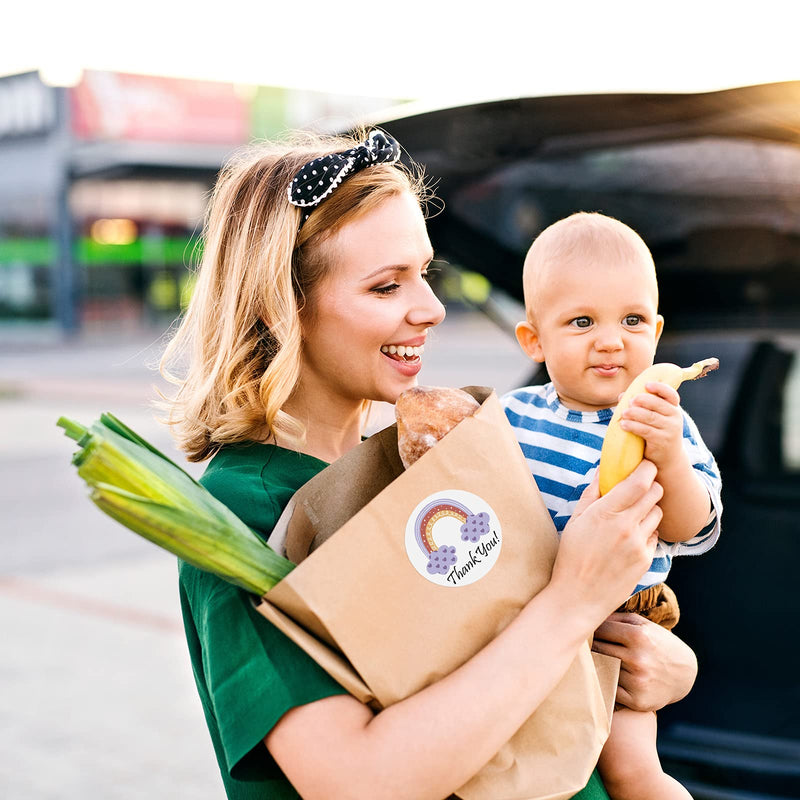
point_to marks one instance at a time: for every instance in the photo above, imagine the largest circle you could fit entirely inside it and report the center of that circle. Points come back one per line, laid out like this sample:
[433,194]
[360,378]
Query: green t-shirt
[248,674]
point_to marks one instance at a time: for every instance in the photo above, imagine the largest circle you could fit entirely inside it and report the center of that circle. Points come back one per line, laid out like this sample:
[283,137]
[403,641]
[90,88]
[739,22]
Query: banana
[622,451]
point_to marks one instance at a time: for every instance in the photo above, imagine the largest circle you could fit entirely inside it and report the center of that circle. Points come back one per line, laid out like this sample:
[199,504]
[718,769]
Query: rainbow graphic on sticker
[453,538]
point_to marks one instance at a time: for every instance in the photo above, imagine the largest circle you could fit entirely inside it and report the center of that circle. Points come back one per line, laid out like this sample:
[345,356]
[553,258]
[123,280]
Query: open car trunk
[712,183]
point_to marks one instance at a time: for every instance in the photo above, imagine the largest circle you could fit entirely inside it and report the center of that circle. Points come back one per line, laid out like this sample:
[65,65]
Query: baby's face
[597,327]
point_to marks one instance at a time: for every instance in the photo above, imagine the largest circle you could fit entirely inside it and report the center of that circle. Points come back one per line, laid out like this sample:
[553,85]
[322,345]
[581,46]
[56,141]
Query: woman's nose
[427,308]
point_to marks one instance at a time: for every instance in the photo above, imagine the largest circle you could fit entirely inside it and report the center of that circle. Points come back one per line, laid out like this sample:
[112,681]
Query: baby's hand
[655,415]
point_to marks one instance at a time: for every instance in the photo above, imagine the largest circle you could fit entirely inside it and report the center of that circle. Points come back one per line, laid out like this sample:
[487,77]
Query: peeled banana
[622,451]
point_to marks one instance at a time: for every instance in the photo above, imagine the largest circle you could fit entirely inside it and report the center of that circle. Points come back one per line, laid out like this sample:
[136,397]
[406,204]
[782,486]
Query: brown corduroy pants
[658,603]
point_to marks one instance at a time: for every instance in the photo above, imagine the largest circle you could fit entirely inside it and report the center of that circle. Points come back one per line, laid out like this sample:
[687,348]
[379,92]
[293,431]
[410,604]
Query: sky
[424,50]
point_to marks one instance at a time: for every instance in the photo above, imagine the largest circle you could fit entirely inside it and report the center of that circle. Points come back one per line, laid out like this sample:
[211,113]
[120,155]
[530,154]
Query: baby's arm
[656,416]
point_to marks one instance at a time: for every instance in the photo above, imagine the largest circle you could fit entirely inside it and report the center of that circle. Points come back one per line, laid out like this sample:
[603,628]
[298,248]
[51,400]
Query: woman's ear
[529,341]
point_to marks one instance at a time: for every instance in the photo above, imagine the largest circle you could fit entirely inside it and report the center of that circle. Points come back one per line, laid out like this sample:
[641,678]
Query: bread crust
[425,414]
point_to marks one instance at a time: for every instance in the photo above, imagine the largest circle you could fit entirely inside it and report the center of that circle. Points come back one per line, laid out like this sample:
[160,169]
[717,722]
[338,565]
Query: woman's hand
[609,543]
[657,667]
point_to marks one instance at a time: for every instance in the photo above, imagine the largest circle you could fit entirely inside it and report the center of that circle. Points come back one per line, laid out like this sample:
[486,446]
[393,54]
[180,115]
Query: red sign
[116,105]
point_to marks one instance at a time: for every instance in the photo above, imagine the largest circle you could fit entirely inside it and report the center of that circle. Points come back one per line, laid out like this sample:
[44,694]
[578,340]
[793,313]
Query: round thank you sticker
[453,538]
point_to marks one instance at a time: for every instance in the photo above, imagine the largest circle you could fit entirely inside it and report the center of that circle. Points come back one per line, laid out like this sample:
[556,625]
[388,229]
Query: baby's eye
[632,320]
[581,322]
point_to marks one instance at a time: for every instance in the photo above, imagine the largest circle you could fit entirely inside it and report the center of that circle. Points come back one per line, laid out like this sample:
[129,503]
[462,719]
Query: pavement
[98,699]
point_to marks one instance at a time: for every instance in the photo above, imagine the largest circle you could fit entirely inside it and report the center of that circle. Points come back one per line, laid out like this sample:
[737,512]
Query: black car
[712,183]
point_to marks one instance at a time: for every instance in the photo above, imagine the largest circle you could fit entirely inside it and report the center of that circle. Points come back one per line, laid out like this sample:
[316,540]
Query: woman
[314,274]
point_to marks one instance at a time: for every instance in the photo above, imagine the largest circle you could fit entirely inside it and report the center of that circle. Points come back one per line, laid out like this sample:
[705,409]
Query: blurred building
[103,185]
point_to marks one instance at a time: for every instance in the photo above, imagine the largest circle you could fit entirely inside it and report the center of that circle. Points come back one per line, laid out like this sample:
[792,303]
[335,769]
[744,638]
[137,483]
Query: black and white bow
[317,179]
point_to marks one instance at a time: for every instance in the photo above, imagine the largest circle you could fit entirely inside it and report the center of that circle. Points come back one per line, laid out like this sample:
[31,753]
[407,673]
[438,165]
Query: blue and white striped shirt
[562,449]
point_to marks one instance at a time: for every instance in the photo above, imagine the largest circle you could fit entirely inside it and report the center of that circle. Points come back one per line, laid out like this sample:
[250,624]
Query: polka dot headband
[316,180]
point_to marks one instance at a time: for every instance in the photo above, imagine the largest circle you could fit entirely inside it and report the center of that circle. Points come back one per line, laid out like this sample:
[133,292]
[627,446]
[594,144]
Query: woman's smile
[409,366]
[406,357]
[399,351]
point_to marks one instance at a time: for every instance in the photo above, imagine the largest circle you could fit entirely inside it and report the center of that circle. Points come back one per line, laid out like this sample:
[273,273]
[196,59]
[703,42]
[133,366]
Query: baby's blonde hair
[579,237]
[236,355]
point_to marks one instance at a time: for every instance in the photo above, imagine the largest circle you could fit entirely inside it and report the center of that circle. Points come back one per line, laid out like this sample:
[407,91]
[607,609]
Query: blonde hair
[236,355]
[580,236]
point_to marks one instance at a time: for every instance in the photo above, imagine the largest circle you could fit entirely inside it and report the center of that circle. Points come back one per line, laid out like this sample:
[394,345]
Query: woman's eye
[581,322]
[428,273]
[389,288]
[632,320]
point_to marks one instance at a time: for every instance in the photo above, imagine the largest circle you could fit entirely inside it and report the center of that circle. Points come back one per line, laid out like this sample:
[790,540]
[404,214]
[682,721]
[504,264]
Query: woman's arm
[428,745]
[657,667]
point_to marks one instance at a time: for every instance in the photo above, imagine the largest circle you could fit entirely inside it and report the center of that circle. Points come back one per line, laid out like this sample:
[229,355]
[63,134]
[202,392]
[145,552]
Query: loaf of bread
[427,413]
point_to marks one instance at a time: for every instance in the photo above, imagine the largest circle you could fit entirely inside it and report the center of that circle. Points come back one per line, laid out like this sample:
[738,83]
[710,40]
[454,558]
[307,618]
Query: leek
[140,487]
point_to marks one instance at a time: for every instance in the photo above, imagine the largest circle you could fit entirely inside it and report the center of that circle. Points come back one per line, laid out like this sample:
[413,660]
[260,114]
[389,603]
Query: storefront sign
[122,106]
[27,106]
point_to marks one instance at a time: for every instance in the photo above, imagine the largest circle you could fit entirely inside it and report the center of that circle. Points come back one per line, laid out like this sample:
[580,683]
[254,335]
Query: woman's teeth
[401,350]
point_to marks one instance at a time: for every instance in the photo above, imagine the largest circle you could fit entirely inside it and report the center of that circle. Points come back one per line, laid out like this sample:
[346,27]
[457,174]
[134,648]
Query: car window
[791,417]
[667,191]
[769,413]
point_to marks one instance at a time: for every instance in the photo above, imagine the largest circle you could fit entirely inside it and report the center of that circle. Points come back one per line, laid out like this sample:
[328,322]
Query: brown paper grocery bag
[427,565]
